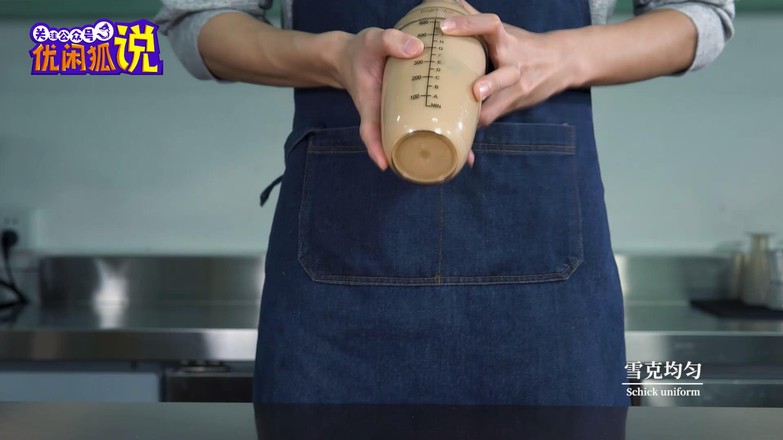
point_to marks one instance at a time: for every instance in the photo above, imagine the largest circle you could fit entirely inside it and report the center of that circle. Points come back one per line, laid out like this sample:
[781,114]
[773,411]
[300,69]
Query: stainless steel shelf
[116,333]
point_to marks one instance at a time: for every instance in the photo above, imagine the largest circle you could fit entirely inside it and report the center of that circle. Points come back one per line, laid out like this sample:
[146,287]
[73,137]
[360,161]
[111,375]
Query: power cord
[8,239]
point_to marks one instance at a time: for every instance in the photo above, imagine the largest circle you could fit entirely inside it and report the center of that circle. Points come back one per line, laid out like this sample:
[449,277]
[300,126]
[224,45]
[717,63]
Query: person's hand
[529,67]
[359,69]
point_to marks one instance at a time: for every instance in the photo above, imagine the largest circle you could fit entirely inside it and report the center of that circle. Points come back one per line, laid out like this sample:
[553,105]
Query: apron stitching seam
[337,152]
[302,236]
[440,240]
[443,283]
[486,150]
[568,266]
[542,145]
[578,237]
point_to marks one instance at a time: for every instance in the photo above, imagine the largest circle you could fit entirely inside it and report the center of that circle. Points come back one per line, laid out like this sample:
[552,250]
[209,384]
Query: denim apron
[498,287]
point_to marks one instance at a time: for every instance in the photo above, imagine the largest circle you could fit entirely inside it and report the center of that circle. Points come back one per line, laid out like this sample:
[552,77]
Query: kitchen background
[169,165]
[175,165]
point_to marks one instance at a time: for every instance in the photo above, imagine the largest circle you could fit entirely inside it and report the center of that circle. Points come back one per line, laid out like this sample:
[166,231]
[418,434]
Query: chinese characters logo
[646,379]
[673,370]
[105,48]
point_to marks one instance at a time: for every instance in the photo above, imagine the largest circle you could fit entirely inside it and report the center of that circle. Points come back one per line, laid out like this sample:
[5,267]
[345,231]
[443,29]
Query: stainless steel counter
[169,309]
[45,421]
[654,331]
[118,333]
[676,331]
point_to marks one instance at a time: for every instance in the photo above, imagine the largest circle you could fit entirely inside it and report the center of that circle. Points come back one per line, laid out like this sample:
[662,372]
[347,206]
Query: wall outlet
[22,221]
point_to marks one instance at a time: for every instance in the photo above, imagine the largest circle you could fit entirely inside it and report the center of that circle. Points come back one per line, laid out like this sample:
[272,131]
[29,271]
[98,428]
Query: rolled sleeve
[713,19]
[182,20]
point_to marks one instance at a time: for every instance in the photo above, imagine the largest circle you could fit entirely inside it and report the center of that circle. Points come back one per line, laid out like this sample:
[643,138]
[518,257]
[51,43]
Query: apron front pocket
[513,218]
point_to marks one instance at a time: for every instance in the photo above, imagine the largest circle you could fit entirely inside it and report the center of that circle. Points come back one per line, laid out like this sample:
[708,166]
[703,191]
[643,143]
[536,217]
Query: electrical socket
[22,221]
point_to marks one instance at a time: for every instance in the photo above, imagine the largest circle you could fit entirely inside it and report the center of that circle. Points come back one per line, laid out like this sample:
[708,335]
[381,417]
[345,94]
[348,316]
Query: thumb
[401,45]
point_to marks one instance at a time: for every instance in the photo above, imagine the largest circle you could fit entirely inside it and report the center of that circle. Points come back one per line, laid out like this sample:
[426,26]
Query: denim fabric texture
[498,287]
[414,235]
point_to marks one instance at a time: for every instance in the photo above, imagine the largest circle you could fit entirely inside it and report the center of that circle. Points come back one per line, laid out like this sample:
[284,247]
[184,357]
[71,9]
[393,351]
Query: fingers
[495,107]
[370,131]
[399,44]
[488,26]
[505,76]
[512,98]
[369,57]
[471,158]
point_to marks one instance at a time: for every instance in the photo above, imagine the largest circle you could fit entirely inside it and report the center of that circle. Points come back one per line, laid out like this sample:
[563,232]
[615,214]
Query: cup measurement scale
[427,29]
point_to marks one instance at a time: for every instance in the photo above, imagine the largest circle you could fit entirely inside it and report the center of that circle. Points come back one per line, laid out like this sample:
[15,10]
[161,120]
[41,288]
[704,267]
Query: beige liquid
[429,113]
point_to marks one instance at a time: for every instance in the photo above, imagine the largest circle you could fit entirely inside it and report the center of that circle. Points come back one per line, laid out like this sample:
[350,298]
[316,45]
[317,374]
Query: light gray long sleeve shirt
[182,20]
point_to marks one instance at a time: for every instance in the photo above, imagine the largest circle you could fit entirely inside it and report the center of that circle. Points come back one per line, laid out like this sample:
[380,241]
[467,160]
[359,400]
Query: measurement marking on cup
[432,50]
[434,62]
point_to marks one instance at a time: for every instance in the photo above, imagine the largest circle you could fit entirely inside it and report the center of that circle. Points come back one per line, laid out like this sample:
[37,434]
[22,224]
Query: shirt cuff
[183,36]
[714,28]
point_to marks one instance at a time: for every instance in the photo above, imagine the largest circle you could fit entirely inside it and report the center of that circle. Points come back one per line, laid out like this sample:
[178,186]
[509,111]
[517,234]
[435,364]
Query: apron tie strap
[268,190]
